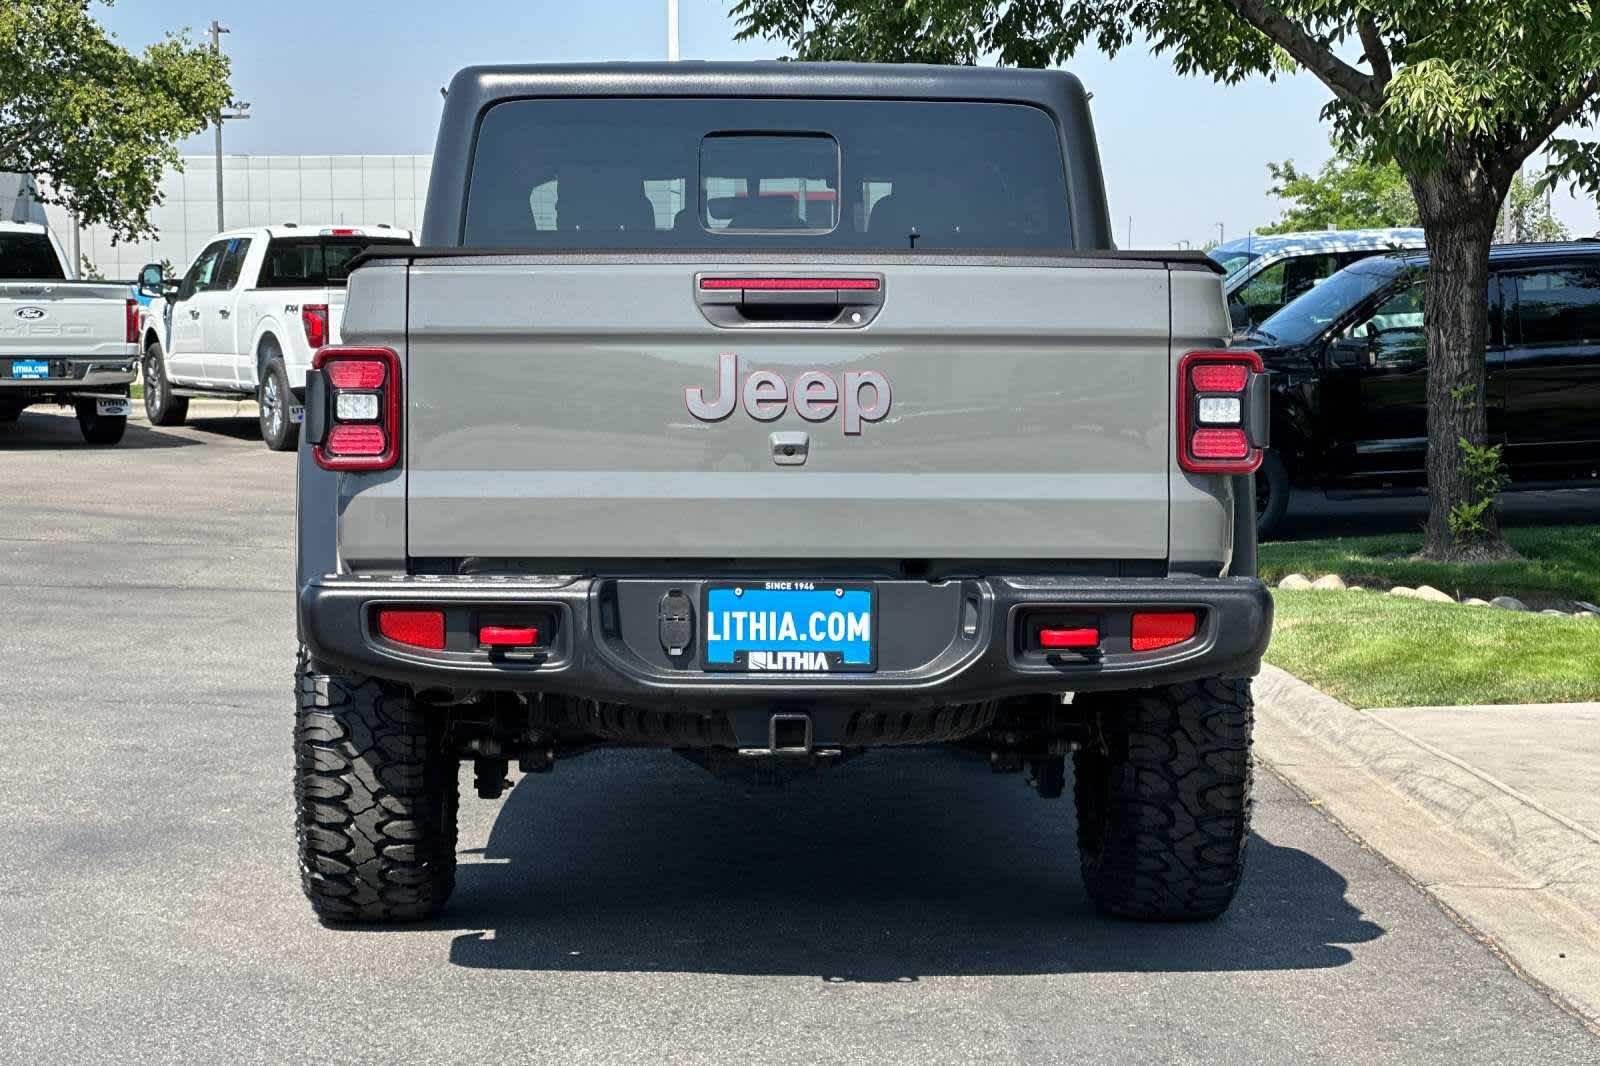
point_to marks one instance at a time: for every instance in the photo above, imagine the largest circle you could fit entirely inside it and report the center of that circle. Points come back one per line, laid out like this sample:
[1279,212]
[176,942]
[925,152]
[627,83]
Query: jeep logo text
[862,395]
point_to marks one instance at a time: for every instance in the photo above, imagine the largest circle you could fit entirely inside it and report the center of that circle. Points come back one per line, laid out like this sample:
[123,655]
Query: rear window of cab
[715,175]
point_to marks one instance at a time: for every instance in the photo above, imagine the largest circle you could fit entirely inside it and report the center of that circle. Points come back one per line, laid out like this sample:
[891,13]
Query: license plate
[113,407]
[789,627]
[297,415]
[30,369]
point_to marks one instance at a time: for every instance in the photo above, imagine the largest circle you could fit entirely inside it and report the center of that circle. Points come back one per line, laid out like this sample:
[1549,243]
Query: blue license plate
[789,627]
[30,369]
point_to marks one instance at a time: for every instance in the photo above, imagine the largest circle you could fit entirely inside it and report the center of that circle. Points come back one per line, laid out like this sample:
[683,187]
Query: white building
[260,190]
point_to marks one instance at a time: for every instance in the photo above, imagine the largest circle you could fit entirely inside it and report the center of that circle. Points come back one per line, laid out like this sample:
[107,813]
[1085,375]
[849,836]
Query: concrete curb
[1525,876]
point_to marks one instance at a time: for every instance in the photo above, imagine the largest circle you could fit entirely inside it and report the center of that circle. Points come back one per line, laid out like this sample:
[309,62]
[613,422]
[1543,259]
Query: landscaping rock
[1295,581]
[1508,603]
[1358,588]
[1586,616]
[1401,590]
[1433,595]
[1330,583]
[1475,602]
[1553,611]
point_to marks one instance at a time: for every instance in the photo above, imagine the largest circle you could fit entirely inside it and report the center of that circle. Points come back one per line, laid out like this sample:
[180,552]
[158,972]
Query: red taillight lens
[314,320]
[1215,424]
[356,441]
[1218,444]
[356,374]
[1219,377]
[131,321]
[418,629]
[1152,631]
[360,409]
[1084,637]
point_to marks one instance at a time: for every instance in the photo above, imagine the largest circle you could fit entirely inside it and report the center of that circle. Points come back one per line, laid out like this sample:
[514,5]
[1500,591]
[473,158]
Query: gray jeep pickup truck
[773,415]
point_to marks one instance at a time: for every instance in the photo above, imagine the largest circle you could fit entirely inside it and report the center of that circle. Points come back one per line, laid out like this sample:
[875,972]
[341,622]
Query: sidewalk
[1495,811]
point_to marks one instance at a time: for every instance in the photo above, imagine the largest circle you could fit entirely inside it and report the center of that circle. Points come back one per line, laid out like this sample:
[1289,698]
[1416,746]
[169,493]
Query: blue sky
[1181,155]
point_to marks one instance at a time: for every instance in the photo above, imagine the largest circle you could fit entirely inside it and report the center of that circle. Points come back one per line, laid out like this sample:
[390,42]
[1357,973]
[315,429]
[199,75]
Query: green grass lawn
[1372,650]
[1561,562]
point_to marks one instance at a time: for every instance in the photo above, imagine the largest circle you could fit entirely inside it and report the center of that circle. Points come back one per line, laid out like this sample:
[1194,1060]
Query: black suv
[1350,407]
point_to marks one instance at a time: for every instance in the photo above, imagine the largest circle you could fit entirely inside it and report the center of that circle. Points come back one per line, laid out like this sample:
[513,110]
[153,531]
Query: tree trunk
[1458,204]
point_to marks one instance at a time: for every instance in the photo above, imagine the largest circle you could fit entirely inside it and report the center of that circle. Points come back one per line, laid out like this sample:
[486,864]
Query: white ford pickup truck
[63,341]
[245,319]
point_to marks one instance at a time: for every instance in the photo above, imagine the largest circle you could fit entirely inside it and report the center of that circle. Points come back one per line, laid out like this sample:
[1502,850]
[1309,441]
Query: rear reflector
[355,440]
[1153,631]
[788,284]
[1086,637]
[1219,444]
[355,373]
[508,636]
[418,629]
[1226,377]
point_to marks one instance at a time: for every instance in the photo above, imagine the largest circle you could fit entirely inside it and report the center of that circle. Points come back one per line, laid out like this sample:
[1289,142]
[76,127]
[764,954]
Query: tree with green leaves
[1457,94]
[1349,192]
[94,122]
[1531,216]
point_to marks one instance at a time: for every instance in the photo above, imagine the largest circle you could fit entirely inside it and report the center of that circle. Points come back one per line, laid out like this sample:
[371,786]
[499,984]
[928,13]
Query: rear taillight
[1219,404]
[359,409]
[130,322]
[314,319]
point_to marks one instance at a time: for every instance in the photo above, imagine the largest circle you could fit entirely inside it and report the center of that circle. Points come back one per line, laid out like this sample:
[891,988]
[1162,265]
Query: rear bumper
[939,643]
[69,378]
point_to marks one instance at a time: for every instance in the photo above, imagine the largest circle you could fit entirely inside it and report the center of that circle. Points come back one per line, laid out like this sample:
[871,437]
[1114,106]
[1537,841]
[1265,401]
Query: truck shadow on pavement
[902,865]
[35,432]
[47,430]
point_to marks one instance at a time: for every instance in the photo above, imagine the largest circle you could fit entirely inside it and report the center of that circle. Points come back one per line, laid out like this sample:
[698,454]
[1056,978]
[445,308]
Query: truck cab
[246,318]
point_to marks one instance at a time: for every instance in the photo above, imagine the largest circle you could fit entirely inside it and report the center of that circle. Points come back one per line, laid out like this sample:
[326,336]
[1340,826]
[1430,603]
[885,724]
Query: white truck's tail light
[1222,412]
[314,320]
[353,408]
[130,323]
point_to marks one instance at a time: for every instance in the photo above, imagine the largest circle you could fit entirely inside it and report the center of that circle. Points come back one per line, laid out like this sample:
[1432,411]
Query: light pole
[232,110]
[1219,233]
[672,31]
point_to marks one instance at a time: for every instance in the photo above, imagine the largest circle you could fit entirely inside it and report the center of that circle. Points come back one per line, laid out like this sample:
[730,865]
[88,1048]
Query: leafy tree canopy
[96,123]
[1495,77]
[1347,193]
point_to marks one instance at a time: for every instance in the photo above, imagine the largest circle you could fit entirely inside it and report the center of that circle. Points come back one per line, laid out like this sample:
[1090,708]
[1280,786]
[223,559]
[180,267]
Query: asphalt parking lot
[626,908]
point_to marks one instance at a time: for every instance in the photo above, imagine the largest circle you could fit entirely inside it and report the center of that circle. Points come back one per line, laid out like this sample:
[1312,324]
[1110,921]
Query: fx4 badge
[861,396]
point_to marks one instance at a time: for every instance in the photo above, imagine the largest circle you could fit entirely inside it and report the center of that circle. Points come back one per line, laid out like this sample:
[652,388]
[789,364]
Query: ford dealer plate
[798,627]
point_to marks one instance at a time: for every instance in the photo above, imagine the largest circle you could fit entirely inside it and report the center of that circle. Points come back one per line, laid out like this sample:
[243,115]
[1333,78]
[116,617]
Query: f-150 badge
[859,396]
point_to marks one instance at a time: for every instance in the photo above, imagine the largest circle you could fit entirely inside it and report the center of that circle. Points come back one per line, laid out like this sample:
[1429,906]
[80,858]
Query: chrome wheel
[272,407]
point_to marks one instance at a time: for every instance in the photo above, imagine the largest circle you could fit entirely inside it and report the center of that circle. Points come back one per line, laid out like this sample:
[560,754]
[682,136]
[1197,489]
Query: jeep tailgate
[547,416]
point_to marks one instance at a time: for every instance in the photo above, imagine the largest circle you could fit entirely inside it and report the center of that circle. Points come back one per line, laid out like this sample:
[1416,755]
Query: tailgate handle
[744,301]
